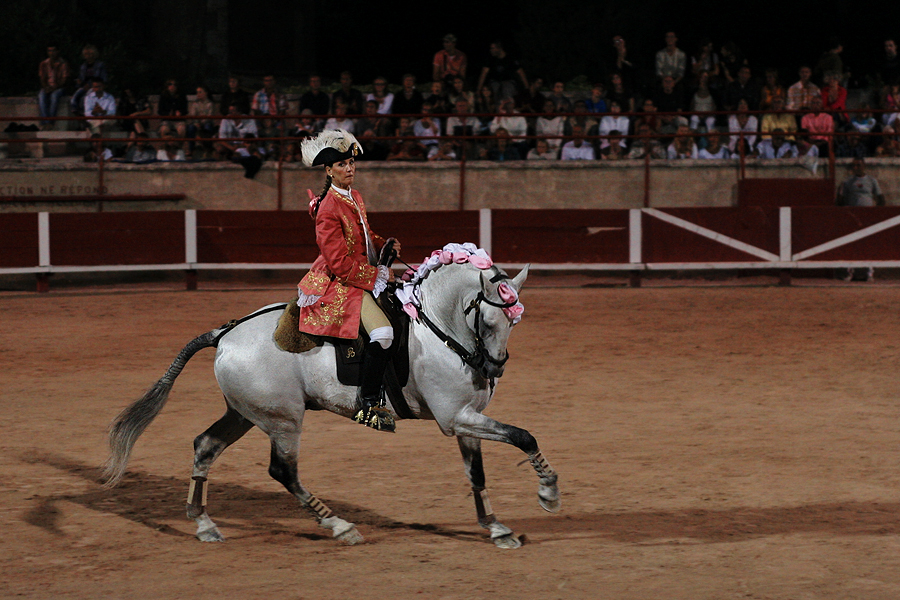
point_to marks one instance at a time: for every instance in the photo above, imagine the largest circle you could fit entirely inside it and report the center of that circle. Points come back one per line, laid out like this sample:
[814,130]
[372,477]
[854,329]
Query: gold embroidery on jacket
[349,238]
[329,313]
[315,283]
[363,273]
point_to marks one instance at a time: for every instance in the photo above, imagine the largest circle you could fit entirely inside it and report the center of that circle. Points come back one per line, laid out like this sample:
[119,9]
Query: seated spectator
[614,147]
[235,95]
[850,146]
[819,124]
[459,91]
[443,151]
[890,145]
[891,103]
[89,70]
[582,117]
[550,124]
[771,90]
[349,95]
[714,148]
[578,148]
[315,99]
[503,149]
[100,103]
[485,106]
[409,100]
[646,144]
[668,98]
[131,104]
[373,125]
[705,61]
[438,99]
[742,88]
[648,116]
[596,103]
[53,73]
[776,146]
[702,101]
[382,96]
[340,120]
[515,125]
[778,120]
[168,150]
[307,125]
[428,128]
[292,153]
[671,61]
[683,145]
[250,155]
[742,123]
[561,101]
[800,94]
[172,103]
[269,102]
[864,123]
[231,129]
[531,99]
[139,149]
[406,149]
[541,151]
[834,100]
[615,120]
[620,92]
[97,151]
[201,123]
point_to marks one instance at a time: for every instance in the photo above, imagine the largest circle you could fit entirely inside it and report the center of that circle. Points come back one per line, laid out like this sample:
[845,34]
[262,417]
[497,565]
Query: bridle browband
[479,356]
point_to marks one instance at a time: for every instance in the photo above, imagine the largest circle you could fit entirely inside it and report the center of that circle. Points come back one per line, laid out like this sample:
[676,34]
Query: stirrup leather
[375,416]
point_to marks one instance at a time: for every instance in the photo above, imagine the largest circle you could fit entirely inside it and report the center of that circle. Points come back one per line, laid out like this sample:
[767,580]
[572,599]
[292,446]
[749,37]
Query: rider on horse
[338,293]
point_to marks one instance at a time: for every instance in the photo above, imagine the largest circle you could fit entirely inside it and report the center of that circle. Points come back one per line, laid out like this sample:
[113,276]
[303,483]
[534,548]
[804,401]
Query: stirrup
[376,417]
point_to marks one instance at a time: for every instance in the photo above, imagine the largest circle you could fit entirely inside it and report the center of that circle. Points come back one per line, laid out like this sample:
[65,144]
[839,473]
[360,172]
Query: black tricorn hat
[329,147]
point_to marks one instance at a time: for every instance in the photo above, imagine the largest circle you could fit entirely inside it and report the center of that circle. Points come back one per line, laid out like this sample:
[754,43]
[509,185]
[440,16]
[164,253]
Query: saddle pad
[288,336]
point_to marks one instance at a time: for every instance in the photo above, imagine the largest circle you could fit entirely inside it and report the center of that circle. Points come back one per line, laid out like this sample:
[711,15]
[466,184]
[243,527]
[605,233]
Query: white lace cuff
[382,280]
[305,300]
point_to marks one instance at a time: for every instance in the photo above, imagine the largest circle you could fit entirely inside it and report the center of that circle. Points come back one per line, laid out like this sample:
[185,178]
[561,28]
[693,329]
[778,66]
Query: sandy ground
[712,442]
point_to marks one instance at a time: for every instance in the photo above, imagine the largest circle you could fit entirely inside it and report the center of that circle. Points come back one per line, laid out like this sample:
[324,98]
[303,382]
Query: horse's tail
[132,421]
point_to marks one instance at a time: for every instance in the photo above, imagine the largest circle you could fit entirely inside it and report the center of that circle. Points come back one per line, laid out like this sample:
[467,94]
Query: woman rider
[338,293]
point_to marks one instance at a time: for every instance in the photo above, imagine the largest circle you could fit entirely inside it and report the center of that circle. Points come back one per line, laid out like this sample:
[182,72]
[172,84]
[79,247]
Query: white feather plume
[339,139]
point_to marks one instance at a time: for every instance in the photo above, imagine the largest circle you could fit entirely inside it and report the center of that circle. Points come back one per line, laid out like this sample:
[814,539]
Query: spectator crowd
[713,103]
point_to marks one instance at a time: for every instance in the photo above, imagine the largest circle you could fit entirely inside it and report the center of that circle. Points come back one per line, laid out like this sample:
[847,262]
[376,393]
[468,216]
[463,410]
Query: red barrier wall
[19,240]
[126,238]
[560,236]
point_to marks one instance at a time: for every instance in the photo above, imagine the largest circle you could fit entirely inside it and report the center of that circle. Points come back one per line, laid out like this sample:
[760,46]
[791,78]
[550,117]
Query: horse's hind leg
[472,423]
[502,536]
[283,469]
[207,448]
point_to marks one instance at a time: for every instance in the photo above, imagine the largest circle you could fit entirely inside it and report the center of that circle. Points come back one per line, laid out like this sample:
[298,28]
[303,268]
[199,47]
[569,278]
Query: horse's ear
[519,280]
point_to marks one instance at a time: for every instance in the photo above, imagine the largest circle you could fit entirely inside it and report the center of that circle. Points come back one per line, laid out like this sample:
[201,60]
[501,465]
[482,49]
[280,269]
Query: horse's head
[491,313]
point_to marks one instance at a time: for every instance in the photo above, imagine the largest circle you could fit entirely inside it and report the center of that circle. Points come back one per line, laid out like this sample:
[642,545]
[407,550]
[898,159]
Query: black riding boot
[372,412]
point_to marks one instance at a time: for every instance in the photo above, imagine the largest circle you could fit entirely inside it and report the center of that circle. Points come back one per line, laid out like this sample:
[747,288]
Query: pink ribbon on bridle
[508,295]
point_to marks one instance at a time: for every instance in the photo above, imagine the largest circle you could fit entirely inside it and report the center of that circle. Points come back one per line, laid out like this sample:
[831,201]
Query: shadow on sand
[151,500]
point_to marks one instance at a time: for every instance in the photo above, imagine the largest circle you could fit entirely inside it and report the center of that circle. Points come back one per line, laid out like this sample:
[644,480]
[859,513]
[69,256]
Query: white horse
[457,347]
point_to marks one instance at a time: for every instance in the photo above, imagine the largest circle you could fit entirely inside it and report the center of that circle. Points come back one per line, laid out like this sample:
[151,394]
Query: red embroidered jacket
[342,273]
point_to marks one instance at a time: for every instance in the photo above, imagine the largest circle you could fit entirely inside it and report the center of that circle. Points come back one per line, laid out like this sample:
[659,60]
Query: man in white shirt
[234,125]
[776,147]
[99,103]
[578,148]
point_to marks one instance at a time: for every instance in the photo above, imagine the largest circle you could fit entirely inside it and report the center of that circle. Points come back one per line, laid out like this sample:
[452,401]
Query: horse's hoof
[210,535]
[548,498]
[351,537]
[507,542]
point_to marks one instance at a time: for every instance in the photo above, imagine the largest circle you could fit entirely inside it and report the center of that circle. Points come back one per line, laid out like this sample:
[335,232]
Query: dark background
[146,42]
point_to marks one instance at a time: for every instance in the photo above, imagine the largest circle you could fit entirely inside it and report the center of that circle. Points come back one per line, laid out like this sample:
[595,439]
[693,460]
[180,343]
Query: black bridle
[479,357]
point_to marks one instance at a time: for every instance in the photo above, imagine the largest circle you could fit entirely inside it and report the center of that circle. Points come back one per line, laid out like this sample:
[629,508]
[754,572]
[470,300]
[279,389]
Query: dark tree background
[197,41]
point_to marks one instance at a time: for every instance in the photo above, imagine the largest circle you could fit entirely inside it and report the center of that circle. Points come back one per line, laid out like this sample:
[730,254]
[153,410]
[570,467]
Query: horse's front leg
[471,423]
[502,536]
